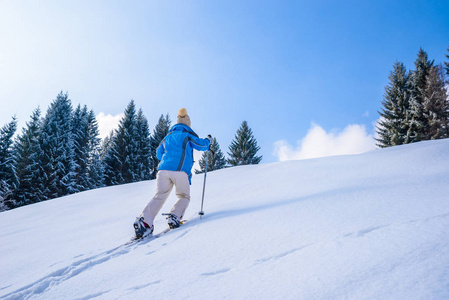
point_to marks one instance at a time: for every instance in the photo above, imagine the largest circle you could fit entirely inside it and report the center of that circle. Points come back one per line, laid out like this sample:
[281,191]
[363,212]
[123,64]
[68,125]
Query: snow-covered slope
[369,226]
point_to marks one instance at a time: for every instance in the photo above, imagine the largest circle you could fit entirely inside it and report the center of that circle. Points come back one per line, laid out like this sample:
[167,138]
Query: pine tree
[58,149]
[95,168]
[3,205]
[447,63]
[8,178]
[106,145]
[6,152]
[393,129]
[28,166]
[436,105]
[80,133]
[110,160]
[121,160]
[243,148]
[216,159]
[144,155]
[417,119]
[159,133]
[6,197]
[89,170]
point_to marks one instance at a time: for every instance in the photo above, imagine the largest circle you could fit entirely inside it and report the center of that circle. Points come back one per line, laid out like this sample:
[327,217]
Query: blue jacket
[176,150]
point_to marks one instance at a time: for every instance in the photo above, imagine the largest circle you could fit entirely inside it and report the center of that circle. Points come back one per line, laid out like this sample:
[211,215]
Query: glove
[209,137]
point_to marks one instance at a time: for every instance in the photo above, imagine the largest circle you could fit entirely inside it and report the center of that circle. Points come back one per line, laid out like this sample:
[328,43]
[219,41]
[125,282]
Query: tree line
[415,105]
[61,153]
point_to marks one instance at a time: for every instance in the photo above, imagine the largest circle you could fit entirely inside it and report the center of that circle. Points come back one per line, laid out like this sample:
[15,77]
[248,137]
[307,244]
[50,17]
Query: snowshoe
[141,228]
[173,221]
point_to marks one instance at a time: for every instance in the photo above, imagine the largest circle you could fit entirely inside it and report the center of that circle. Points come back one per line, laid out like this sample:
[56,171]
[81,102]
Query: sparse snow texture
[368,226]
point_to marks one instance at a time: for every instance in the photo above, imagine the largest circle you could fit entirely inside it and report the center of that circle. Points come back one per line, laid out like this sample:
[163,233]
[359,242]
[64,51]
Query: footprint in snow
[365,231]
[216,272]
[276,257]
[138,287]
[93,295]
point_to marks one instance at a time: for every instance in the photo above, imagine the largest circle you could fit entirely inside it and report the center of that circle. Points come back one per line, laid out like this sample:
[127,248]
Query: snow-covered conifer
[447,62]
[110,161]
[393,127]
[144,148]
[3,206]
[417,120]
[8,178]
[436,105]
[81,138]
[106,144]
[121,160]
[6,197]
[243,148]
[87,149]
[28,165]
[95,166]
[216,159]
[58,147]
[159,133]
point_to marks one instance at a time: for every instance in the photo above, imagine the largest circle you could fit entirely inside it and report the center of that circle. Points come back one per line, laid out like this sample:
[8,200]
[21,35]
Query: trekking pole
[201,213]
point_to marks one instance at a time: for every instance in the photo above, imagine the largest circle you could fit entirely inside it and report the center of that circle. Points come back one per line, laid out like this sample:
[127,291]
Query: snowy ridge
[369,226]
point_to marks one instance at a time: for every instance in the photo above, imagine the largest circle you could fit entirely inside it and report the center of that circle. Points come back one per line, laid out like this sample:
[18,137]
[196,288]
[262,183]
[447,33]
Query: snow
[367,226]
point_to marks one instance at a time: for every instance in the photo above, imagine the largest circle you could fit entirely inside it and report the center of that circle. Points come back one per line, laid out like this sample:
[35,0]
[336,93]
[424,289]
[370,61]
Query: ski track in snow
[59,276]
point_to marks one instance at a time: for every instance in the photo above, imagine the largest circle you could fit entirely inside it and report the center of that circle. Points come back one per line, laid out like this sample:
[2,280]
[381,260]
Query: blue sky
[308,76]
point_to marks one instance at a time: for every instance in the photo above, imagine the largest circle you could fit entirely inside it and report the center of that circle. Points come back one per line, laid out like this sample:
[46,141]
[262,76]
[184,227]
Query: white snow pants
[164,185]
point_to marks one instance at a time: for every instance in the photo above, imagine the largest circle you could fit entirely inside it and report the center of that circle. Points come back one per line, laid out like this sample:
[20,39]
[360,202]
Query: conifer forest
[60,153]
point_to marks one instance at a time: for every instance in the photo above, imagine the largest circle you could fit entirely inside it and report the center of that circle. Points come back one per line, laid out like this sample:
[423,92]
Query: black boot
[141,228]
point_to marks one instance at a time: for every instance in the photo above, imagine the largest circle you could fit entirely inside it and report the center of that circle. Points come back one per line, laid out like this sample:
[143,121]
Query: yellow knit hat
[183,117]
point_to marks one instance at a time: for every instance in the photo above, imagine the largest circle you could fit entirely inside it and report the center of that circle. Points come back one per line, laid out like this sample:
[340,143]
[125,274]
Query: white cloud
[106,123]
[318,143]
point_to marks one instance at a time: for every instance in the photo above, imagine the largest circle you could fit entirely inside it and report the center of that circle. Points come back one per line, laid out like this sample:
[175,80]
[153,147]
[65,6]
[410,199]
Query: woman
[175,169]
